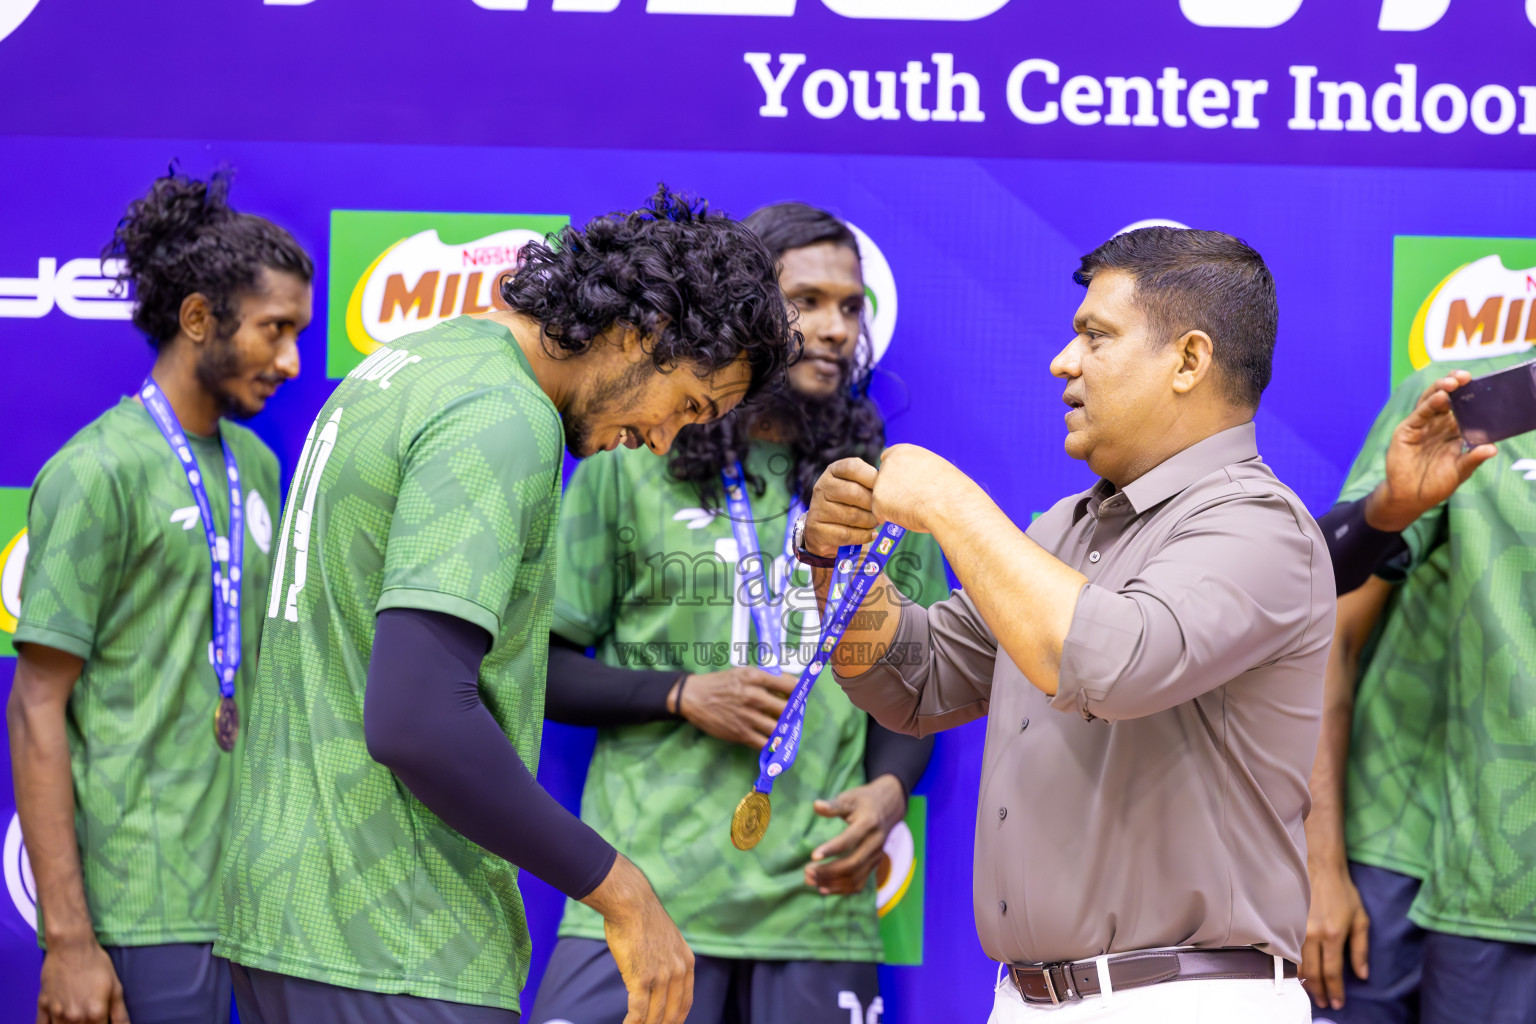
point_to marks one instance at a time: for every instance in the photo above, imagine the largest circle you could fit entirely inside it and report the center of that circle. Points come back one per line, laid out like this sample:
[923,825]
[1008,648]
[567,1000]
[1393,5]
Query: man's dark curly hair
[848,424]
[183,238]
[699,287]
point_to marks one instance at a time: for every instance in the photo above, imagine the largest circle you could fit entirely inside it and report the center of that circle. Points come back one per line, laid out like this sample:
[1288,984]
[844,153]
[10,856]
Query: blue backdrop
[574,107]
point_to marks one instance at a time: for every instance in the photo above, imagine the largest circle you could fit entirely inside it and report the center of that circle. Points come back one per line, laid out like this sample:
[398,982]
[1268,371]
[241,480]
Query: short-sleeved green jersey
[1397,738]
[650,579]
[429,480]
[117,573]
[1482,865]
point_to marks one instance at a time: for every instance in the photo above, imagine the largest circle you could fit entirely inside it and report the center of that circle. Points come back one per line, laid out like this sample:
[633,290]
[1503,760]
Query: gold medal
[226,724]
[750,822]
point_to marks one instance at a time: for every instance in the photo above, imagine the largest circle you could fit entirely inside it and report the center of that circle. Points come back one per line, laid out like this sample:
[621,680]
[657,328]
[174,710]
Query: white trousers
[1172,1002]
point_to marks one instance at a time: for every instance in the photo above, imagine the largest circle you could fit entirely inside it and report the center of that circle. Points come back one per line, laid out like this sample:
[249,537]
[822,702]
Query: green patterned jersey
[1482,861]
[649,578]
[117,573]
[1397,738]
[429,480]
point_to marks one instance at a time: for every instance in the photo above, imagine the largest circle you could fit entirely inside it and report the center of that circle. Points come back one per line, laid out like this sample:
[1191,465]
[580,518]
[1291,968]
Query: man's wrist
[68,936]
[894,792]
[804,554]
[1378,514]
[622,893]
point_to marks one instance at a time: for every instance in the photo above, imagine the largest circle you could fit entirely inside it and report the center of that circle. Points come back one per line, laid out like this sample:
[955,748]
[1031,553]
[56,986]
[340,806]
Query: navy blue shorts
[264,997]
[582,986]
[178,983]
[1427,977]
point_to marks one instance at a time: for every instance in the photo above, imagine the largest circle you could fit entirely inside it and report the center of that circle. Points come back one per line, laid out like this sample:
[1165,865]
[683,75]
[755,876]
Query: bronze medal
[226,724]
[750,822]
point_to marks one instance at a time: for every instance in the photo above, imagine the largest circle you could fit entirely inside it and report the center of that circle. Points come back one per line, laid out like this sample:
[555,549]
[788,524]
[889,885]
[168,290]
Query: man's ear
[1196,361]
[196,320]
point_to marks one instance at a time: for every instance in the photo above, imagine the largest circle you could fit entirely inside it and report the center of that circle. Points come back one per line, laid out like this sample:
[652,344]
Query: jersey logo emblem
[1526,466]
[696,518]
[258,519]
[188,517]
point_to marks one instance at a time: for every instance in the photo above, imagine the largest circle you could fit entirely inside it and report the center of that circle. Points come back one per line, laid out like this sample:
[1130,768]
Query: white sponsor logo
[879,293]
[382,366]
[1526,466]
[18,874]
[1479,311]
[421,281]
[81,288]
[696,518]
[258,519]
[13,13]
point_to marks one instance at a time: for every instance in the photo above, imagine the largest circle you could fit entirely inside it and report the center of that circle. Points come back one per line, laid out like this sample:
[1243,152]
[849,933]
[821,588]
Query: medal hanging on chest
[850,585]
[225,648]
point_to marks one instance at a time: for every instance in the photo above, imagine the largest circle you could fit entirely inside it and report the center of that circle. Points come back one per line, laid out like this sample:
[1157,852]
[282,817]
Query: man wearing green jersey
[388,799]
[131,608]
[1431,882]
[652,573]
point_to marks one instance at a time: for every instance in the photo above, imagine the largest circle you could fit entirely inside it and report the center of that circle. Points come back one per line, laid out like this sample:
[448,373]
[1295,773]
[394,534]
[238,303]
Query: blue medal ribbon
[843,600]
[851,580]
[766,603]
[226,587]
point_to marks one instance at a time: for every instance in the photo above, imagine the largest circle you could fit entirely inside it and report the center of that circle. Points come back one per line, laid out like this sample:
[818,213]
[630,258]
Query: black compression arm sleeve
[583,691]
[423,720]
[1357,548]
[891,753]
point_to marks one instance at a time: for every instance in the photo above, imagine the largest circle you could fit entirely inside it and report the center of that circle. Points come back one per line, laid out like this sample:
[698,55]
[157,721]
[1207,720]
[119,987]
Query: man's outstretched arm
[1023,593]
[1425,463]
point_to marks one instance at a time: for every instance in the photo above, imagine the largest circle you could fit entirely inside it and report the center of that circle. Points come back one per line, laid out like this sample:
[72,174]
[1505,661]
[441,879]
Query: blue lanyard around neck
[766,603]
[226,588]
[843,600]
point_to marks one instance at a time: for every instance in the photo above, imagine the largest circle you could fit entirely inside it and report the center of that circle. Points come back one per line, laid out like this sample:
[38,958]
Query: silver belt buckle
[1050,983]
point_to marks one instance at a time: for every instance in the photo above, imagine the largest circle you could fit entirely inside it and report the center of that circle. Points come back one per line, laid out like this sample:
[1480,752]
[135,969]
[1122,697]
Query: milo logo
[1456,299]
[393,274]
[1479,311]
[13,559]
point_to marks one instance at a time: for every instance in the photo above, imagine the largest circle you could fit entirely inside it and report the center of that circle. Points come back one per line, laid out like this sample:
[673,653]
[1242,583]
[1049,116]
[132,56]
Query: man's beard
[219,365]
[788,414]
[606,397]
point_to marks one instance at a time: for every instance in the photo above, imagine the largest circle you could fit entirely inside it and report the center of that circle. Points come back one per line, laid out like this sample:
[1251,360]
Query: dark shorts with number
[178,983]
[1419,976]
[267,998]
[582,986]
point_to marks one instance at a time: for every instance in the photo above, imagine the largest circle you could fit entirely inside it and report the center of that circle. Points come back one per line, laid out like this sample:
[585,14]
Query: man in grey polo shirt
[1149,656]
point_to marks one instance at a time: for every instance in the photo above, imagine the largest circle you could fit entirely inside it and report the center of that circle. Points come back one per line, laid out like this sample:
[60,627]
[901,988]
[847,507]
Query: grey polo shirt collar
[1172,475]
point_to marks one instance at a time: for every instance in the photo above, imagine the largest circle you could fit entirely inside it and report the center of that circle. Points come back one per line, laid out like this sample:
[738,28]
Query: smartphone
[1498,405]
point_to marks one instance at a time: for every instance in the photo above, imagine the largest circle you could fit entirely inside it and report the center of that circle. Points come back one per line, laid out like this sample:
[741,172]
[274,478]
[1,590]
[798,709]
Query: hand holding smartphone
[1497,406]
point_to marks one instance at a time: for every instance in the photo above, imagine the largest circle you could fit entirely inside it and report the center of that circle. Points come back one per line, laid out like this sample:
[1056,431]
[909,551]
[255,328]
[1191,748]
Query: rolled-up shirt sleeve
[936,674]
[1230,590]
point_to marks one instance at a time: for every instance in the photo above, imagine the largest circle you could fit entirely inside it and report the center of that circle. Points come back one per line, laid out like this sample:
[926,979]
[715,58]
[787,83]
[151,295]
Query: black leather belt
[1062,982]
